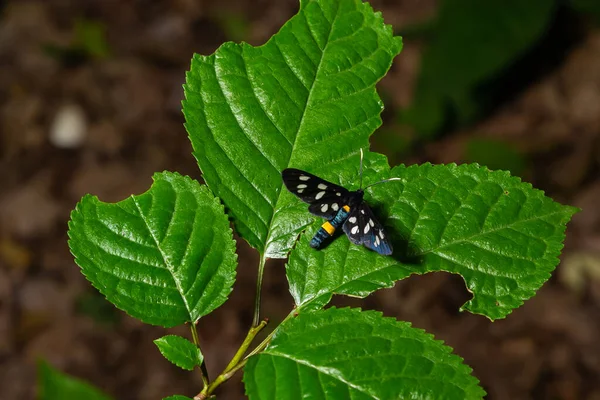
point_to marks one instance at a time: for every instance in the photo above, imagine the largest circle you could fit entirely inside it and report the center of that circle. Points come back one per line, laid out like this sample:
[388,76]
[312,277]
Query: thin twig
[203,370]
[261,270]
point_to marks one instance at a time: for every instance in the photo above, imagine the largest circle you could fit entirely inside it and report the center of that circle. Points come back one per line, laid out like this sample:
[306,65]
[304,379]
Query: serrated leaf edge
[388,28]
[165,341]
[157,175]
[461,365]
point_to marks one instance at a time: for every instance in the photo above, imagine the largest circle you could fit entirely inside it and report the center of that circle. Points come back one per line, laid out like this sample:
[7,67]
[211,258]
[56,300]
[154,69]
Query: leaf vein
[300,124]
[325,371]
[166,261]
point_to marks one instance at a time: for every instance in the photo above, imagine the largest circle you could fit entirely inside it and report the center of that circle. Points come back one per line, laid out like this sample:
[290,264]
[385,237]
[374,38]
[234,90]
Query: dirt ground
[128,100]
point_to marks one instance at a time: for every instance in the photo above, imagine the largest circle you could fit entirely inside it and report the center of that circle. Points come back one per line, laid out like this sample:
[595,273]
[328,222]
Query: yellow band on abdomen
[346,208]
[328,227]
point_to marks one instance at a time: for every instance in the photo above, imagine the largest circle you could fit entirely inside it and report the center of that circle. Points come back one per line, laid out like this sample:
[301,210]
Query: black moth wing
[325,198]
[362,227]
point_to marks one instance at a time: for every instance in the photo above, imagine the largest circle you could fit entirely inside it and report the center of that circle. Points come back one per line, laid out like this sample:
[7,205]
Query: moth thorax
[355,198]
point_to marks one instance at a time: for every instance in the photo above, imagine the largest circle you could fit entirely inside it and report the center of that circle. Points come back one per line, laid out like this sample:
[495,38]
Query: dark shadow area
[565,31]
[404,251]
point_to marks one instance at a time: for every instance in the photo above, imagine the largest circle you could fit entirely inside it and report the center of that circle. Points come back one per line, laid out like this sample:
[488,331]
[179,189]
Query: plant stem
[240,353]
[261,270]
[266,341]
[229,374]
[203,370]
[234,365]
[237,362]
[195,334]
[225,376]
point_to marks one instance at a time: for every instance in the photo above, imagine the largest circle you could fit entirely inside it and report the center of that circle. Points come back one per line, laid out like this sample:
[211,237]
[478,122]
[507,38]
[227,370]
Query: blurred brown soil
[547,349]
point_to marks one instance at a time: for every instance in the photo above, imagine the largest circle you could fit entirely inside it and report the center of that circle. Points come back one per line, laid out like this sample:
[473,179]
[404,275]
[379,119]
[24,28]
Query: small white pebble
[69,128]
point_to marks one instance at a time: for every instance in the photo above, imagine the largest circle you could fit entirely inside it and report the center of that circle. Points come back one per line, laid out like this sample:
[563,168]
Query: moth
[341,208]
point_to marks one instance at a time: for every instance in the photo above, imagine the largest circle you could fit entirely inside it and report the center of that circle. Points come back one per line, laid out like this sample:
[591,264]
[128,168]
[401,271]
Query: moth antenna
[383,181]
[361,167]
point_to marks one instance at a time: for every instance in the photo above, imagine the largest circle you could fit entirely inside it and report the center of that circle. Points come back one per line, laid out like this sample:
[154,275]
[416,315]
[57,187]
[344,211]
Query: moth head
[372,184]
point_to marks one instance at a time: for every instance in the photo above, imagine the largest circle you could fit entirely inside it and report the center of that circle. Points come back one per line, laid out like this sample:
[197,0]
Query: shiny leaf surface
[165,257]
[305,99]
[501,235]
[349,354]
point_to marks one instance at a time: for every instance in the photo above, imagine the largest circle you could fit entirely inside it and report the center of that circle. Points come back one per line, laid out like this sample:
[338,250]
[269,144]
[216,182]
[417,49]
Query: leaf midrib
[268,240]
[435,249]
[165,259]
[325,371]
[430,251]
[328,371]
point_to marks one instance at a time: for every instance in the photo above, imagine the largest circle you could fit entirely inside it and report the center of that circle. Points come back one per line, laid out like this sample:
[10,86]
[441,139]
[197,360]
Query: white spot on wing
[302,186]
[335,207]
[377,241]
[304,177]
[362,211]
[322,186]
[300,190]
[381,234]
[371,222]
[324,207]
[352,220]
[354,230]
[367,227]
[319,195]
[338,194]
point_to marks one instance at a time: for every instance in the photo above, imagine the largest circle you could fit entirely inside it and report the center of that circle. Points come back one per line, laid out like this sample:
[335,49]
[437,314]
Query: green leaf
[305,99]
[235,25]
[54,385]
[94,305]
[589,8]
[180,351]
[346,353]
[475,40]
[90,37]
[165,257]
[500,234]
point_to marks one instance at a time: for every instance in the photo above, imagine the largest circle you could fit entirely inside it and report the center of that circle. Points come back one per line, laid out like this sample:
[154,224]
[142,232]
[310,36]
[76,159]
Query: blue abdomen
[335,223]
